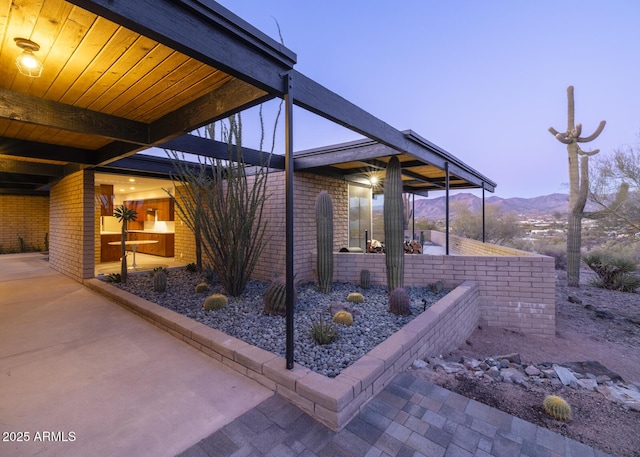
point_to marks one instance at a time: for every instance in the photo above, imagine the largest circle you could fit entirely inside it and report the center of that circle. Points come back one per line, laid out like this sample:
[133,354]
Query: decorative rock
[512,375]
[494,373]
[565,375]
[513,358]
[628,398]
[573,299]
[604,314]
[532,370]
[588,384]
[419,364]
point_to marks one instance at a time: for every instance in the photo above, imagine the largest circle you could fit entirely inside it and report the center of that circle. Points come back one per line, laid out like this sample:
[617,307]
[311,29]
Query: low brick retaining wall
[516,289]
[332,401]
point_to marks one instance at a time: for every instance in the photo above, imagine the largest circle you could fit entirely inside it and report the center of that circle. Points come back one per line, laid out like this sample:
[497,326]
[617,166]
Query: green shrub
[557,408]
[559,254]
[615,272]
[355,297]
[215,302]
[114,277]
[323,332]
[191,267]
[436,287]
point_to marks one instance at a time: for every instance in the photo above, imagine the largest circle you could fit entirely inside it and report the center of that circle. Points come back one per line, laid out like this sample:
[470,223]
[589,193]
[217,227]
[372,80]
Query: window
[359,215]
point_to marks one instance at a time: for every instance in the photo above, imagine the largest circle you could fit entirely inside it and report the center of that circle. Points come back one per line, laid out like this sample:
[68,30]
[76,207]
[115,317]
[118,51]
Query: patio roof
[120,77]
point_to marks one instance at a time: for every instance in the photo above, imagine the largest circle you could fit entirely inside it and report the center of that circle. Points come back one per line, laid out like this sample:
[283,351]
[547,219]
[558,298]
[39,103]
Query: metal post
[483,215]
[413,219]
[288,98]
[446,187]
[366,241]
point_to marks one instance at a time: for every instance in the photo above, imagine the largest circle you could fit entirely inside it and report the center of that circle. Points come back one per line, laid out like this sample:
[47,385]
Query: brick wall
[306,189]
[515,292]
[26,217]
[73,225]
[184,245]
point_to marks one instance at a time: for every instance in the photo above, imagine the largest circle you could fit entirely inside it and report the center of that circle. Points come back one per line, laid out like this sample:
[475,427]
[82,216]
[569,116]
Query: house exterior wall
[26,217]
[72,225]
[306,189]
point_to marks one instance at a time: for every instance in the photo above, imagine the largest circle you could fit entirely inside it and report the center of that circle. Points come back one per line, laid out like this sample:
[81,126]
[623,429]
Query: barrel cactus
[324,241]
[399,302]
[365,279]
[160,281]
[275,297]
[393,225]
[557,408]
[355,297]
[202,287]
[215,302]
[343,318]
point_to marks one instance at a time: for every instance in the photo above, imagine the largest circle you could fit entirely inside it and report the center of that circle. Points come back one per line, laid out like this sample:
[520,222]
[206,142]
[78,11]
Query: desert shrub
[323,332]
[615,272]
[559,253]
[114,277]
[191,267]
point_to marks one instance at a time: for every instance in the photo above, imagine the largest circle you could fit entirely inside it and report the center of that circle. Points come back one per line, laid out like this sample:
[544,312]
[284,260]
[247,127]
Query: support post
[413,218]
[484,227]
[446,187]
[288,98]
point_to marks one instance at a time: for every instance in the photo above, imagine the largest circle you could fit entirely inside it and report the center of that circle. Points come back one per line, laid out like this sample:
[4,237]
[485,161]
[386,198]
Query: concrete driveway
[81,376]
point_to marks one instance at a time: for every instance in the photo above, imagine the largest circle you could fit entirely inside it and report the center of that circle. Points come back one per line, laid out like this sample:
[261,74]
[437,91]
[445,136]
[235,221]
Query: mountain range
[433,209]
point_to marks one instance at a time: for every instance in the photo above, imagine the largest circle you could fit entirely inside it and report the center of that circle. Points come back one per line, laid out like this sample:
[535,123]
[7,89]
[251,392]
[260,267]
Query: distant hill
[433,209]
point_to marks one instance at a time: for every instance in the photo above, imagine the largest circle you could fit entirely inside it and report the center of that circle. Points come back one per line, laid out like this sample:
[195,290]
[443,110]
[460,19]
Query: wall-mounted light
[27,63]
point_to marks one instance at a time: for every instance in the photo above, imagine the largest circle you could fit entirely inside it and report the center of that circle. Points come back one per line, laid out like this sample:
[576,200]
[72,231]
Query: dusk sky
[482,79]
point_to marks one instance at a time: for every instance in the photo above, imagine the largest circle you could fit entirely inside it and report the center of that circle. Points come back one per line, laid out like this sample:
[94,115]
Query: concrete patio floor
[102,380]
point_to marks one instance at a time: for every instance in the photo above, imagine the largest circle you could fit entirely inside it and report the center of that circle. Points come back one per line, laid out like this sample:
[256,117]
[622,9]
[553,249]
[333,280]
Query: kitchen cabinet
[105,197]
[109,253]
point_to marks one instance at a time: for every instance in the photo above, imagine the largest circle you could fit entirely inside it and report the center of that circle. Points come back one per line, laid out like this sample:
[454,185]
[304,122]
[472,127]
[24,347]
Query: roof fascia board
[206,32]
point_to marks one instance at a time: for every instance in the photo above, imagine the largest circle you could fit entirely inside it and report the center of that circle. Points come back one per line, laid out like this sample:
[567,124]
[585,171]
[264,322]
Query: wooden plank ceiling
[105,92]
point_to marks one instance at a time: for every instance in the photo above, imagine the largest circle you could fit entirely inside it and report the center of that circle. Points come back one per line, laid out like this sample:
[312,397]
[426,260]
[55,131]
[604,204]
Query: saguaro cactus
[393,225]
[324,241]
[578,185]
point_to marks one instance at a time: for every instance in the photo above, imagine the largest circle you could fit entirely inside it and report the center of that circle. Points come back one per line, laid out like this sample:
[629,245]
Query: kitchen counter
[163,245]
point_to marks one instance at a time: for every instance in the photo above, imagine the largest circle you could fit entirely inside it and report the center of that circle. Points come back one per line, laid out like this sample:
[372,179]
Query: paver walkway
[409,418]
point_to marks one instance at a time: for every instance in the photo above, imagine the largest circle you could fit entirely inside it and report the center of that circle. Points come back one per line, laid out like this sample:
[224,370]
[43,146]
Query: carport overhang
[122,76]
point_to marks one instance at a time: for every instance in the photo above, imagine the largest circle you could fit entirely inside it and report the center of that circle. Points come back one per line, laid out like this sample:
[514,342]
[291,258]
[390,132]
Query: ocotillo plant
[578,185]
[393,225]
[324,241]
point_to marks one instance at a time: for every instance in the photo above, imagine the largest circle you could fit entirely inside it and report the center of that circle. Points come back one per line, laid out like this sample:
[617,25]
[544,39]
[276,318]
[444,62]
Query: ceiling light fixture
[27,63]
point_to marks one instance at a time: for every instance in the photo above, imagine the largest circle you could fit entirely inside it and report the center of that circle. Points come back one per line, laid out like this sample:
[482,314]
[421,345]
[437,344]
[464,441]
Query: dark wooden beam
[19,179]
[30,192]
[319,100]
[205,147]
[35,150]
[205,31]
[31,168]
[47,113]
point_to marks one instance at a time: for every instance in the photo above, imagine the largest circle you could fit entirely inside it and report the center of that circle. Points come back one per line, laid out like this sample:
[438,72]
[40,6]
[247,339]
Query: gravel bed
[243,317]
